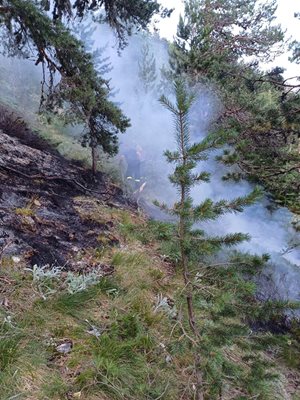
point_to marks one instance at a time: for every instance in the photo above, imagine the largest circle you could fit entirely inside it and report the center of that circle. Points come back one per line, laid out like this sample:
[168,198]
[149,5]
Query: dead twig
[163,393]
[7,244]
[6,280]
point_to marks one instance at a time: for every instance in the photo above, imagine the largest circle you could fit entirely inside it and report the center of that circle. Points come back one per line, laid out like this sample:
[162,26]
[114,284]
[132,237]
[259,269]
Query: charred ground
[39,192]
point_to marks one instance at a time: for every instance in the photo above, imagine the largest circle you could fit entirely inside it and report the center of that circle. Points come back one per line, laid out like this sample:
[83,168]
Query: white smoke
[152,130]
[270,229]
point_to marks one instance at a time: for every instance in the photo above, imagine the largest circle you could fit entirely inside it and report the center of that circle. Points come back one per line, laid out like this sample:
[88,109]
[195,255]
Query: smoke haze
[270,229]
[152,129]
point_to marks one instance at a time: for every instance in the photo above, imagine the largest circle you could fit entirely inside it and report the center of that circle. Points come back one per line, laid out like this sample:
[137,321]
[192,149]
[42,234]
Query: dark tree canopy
[38,29]
[121,15]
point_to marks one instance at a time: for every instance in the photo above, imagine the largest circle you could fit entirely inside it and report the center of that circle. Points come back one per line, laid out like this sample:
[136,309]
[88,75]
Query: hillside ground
[92,301]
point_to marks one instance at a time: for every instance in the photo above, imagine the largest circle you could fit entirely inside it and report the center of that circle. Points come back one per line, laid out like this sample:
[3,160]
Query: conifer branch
[168,104]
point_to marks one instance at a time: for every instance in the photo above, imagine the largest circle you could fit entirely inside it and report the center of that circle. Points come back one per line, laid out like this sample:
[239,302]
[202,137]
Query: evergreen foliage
[71,82]
[192,240]
[222,43]
[121,15]
[102,66]
[213,36]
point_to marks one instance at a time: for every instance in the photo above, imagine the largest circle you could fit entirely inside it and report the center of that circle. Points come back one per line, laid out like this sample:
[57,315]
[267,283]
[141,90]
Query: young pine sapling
[184,177]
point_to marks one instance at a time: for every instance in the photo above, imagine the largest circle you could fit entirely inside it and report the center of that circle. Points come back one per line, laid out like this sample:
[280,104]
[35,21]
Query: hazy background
[152,129]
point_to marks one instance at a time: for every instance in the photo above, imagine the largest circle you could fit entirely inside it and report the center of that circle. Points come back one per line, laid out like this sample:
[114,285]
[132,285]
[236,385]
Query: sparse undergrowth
[125,335]
[67,143]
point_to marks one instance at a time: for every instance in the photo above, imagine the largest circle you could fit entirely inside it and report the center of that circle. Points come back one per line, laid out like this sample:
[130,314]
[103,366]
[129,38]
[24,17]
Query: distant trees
[147,68]
[221,43]
[295,46]
[70,79]
[191,240]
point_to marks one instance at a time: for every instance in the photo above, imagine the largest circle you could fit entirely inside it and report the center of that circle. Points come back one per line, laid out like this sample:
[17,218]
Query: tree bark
[188,285]
[94,160]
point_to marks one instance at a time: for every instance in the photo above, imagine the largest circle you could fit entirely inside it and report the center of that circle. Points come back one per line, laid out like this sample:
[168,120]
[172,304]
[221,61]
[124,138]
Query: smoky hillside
[149,201]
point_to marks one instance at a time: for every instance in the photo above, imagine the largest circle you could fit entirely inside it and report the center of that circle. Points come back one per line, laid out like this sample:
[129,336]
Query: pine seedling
[185,159]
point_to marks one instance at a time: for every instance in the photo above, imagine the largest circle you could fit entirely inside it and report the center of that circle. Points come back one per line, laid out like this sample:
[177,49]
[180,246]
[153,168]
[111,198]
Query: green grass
[153,233]
[66,303]
[9,349]
[142,353]
[124,362]
[55,387]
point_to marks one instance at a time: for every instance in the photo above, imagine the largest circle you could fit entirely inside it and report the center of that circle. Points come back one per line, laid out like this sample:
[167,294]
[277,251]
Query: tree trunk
[188,286]
[94,160]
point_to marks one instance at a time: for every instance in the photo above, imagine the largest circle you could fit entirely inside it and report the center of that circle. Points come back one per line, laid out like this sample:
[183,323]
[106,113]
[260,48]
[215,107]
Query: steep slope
[37,205]
[93,307]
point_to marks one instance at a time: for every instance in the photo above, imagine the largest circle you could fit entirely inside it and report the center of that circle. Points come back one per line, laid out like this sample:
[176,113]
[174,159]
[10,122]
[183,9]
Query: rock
[64,348]
[93,330]
[168,359]
[5,302]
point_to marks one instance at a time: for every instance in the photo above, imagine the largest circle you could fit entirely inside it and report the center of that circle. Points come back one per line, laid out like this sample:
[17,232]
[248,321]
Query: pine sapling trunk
[182,237]
[189,299]
[185,268]
[191,240]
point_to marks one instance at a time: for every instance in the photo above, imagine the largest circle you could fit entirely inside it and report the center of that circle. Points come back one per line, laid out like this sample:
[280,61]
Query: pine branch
[201,177]
[218,241]
[208,210]
[172,156]
[168,104]
[194,242]
[164,207]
